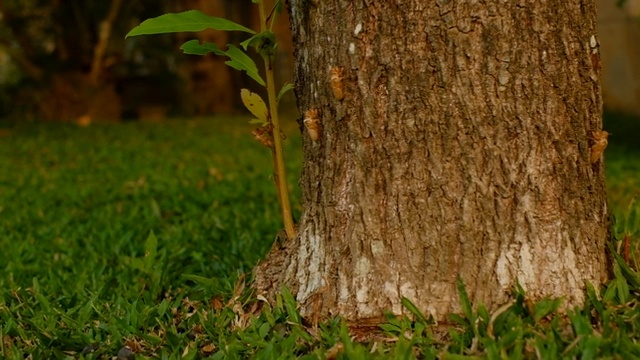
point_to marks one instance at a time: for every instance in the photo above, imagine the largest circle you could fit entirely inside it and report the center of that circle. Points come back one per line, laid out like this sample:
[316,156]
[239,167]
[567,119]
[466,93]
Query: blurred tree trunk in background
[74,62]
[65,52]
[461,149]
[209,85]
[619,29]
[213,87]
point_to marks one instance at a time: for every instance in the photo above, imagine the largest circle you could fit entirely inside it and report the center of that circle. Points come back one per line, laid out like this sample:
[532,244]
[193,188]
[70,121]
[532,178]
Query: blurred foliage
[57,35]
[41,39]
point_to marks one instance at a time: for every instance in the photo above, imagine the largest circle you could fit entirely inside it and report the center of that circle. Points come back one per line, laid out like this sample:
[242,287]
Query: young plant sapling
[264,43]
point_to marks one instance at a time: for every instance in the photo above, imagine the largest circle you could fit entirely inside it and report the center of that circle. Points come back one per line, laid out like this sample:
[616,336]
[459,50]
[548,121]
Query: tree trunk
[210,88]
[461,149]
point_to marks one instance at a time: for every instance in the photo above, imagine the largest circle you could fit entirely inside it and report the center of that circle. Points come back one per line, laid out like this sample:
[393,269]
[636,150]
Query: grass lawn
[137,235]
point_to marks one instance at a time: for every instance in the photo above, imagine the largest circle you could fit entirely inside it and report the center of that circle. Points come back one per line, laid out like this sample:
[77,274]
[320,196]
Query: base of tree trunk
[270,277]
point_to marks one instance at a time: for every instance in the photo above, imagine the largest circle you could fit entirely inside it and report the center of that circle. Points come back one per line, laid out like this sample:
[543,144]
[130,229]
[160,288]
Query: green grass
[623,171]
[136,234]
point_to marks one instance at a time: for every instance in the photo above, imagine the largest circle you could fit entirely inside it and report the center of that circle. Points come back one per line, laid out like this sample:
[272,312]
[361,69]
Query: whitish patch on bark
[311,252]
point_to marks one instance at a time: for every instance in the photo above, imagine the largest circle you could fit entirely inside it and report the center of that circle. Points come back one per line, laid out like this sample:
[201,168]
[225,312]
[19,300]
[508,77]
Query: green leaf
[623,291]
[450,356]
[285,88]
[632,221]
[593,298]
[258,122]
[483,313]
[150,251]
[545,307]
[610,292]
[137,264]
[201,280]
[263,330]
[631,276]
[275,10]
[290,305]
[621,284]
[192,20]
[278,6]
[254,103]
[46,306]
[252,41]
[241,61]
[194,47]
[155,209]
[579,322]
[413,309]
[390,328]
[464,300]
[162,307]
[458,319]
[264,43]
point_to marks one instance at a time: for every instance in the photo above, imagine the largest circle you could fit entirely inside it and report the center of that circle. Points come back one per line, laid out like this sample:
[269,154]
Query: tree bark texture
[461,149]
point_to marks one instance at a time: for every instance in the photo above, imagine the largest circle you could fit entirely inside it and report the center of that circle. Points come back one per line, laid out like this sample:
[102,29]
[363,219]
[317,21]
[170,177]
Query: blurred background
[619,38]
[68,60]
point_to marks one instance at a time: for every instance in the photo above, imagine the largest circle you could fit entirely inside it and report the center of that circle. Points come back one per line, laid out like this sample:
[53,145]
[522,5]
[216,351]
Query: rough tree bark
[461,149]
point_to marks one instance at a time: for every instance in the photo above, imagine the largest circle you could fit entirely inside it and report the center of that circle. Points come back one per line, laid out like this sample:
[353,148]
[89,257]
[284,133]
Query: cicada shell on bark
[599,144]
[337,86]
[312,123]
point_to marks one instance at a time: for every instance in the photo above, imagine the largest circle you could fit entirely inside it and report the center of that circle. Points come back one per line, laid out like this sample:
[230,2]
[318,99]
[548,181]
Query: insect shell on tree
[263,135]
[312,123]
[599,144]
[337,74]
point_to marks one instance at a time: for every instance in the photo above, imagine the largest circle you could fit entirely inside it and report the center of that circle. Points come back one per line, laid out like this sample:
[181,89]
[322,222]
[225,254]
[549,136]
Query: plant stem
[280,176]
